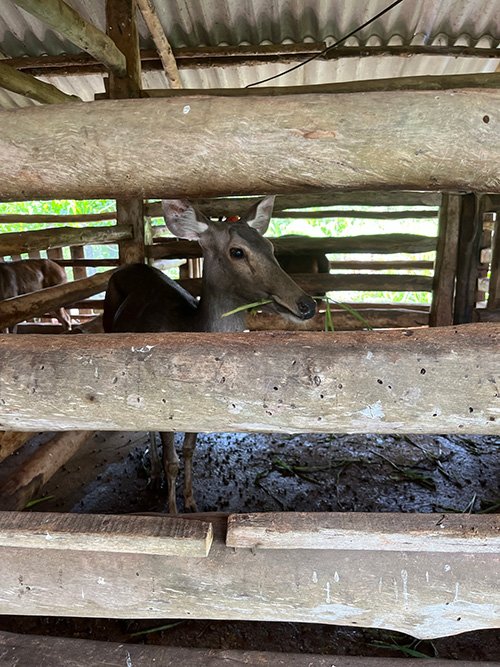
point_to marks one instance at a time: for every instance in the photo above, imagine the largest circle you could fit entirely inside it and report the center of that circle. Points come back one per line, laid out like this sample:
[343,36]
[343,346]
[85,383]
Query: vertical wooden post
[443,289]
[122,28]
[469,248]
[494,291]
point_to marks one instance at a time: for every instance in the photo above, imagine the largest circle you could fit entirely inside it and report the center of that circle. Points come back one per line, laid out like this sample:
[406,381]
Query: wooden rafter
[27,85]
[65,20]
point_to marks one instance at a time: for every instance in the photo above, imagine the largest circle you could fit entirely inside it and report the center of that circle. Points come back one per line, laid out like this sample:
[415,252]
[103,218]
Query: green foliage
[338,227]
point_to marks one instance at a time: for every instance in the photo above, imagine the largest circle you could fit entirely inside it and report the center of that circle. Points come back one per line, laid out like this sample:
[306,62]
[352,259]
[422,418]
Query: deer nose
[306,307]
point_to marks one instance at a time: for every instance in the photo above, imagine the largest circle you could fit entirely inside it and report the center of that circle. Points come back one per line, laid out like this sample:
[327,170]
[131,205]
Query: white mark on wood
[380,584]
[427,577]
[404,579]
[129,659]
[369,355]
[447,567]
[134,401]
[83,595]
[457,592]
[101,581]
[336,577]
[327,590]
[396,592]
[144,349]
[315,577]
[186,109]
[374,411]
[48,537]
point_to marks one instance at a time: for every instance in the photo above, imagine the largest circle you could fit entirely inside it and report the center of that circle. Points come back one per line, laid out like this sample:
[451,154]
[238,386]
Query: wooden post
[469,247]
[122,28]
[443,289]
[494,293]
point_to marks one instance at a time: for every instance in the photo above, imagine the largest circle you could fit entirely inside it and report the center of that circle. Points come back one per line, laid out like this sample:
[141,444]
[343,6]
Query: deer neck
[214,302]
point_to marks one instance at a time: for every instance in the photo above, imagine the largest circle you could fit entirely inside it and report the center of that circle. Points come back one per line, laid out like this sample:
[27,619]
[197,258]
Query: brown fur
[31,275]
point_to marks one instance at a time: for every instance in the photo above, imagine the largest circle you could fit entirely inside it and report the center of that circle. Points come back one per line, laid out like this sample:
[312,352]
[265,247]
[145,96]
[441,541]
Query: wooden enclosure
[427,145]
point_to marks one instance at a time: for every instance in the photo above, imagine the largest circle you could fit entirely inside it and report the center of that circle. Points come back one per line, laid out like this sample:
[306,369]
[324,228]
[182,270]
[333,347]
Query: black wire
[328,48]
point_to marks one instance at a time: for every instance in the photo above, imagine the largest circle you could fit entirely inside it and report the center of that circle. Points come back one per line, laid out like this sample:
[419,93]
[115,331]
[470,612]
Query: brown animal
[239,267]
[31,275]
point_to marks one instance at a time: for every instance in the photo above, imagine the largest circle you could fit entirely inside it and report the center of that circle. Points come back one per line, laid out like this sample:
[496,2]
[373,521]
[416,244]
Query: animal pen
[426,144]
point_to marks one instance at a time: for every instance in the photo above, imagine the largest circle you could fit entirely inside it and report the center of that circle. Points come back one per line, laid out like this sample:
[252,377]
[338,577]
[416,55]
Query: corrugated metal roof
[194,23]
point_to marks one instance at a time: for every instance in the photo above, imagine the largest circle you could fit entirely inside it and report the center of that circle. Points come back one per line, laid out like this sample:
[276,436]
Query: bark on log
[302,245]
[388,140]
[26,482]
[43,239]
[421,381]
[38,303]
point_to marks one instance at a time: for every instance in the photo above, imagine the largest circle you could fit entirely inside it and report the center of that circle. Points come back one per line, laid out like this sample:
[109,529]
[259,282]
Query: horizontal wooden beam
[82,652]
[239,205]
[318,283]
[161,535]
[38,303]
[95,263]
[397,265]
[25,84]
[451,533]
[241,55]
[64,19]
[15,243]
[377,318]
[362,215]
[20,649]
[439,381]
[70,150]
[425,594]
[44,218]
[404,83]
[169,248]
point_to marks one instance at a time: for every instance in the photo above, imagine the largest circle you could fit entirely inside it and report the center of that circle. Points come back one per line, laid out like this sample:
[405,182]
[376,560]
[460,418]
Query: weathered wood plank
[70,150]
[43,239]
[49,218]
[424,594]
[161,535]
[362,243]
[468,257]
[318,283]
[443,289]
[377,318]
[64,19]
[18,651]
[443,533]
[240,205]
[443,380]
[38,303]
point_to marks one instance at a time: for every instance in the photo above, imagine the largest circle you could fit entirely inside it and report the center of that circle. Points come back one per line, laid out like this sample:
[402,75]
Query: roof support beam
[165,51]
[27,85]
[63,18]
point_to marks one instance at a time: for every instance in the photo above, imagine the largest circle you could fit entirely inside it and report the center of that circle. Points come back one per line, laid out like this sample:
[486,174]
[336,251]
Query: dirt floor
[245,473]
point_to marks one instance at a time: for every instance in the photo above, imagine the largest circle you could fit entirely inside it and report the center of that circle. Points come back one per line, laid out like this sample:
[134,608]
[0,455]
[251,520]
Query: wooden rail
[43,239]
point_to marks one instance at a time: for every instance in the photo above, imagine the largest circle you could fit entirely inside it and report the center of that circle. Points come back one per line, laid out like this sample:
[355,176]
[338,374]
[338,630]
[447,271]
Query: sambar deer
[31,275]
[239,267]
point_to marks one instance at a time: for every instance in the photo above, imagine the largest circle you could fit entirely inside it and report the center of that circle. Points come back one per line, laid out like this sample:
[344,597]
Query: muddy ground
[252,472]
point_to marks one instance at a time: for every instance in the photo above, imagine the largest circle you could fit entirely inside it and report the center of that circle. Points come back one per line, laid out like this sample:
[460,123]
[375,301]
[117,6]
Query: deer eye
[237,253]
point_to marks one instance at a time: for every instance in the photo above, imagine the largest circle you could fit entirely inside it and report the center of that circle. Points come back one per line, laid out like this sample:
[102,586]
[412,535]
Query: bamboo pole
[167,57]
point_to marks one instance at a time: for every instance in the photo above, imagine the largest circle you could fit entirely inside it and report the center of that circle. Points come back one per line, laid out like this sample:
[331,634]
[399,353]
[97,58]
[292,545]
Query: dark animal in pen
[239,268]
[31,275]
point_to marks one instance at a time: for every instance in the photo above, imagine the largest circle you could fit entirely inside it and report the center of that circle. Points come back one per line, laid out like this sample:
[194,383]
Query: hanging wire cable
[328,48]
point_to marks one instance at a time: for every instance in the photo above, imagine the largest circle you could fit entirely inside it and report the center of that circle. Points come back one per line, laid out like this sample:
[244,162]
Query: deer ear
[259,215]
[183,219]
